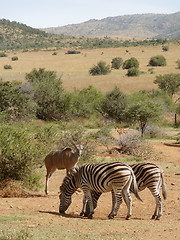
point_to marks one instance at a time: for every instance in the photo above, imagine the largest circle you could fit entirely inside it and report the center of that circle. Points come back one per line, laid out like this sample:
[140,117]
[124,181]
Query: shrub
[151,70]
[86,102]
[73,52]
[15,58]
[7,66]
[157,61]
[178,63]
[48,94]
[131,63]
[133,72]
[2,54]
[165,48]
[133,144]
[100,69]
[114,104]
[14,103]
[18,153]
[117,62]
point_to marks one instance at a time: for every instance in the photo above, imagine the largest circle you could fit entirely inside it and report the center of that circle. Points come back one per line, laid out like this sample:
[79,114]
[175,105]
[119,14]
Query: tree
[48,94]
[158,60]
[114,104]
[133,72]
[117,62]
[13,103]
[169,83]
[100,69]
[131,63]
[142,112]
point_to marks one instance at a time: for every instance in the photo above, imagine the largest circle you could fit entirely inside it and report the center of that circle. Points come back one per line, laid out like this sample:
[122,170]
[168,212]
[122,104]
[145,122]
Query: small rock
[172,184]
[11,206]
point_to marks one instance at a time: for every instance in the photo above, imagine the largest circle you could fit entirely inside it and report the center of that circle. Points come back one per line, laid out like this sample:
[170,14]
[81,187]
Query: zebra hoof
[153,216]
[110,216]
[90,216]
[128,217]
[82,213]
[157,218]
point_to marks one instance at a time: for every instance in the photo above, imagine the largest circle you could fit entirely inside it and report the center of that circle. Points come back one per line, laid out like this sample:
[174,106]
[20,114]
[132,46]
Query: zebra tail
[164,193]
[135,187]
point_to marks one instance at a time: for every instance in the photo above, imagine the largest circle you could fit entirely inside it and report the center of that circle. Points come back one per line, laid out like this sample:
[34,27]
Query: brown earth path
[43,211]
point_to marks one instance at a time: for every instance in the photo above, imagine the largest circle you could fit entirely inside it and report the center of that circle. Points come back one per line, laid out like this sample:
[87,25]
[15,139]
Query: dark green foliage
[165,48]
[86,102]
[116,62]
[13,103]
[2,54]
[131,63]
[7,66]
[178,63]
[114,104]
[18,153]
[73,52]
[48,94]
[158,60]
[15,58]
[142,111]
[133,72]
[100,69]
[170,83]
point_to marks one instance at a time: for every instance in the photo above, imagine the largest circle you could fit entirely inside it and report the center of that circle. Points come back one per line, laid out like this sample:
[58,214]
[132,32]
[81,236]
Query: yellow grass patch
[75,68]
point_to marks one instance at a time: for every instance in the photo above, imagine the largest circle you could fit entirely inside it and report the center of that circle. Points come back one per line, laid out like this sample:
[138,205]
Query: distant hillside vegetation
[15,35]
[139,26]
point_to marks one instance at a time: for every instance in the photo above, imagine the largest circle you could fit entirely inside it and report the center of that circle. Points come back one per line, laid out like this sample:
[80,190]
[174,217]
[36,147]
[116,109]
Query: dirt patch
[44,210]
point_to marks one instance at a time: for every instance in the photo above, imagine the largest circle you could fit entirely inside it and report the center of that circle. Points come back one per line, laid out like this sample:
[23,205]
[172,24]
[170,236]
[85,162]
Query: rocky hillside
[128,26]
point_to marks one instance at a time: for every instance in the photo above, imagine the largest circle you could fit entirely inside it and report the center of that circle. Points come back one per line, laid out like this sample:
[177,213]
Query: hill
[128,26]
[14,35]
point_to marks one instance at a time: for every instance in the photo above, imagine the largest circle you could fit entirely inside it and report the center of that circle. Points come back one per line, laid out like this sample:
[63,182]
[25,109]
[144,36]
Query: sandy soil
[44,209]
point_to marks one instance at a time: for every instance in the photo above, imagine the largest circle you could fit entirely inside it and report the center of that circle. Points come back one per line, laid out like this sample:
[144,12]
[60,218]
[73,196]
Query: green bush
[100,69]
[48,94]
[15,58]
[114,104]
[133,72]
[13,103]
[7,66]
[178,63]
[18,153]
[165,48]
[2,54]
[73,52]
[117,62]
[131,63]
[158,60]
[86,102]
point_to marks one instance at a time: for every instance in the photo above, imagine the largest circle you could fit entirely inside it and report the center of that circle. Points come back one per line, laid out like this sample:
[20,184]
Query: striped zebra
[147,175]
[95,179]
[151,176]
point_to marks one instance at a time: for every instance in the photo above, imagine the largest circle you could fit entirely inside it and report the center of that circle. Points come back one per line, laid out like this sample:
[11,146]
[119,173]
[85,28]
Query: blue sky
[53,13]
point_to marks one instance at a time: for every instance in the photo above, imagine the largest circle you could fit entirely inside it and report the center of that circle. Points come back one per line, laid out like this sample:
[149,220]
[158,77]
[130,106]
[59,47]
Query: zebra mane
[68,178]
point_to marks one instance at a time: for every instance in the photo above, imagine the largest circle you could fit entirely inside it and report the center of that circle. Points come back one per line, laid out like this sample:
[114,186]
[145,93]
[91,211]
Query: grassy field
[75,68]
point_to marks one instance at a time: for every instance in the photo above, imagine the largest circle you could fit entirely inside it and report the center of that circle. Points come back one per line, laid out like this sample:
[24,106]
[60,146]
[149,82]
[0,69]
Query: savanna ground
[74,68]
[37,217]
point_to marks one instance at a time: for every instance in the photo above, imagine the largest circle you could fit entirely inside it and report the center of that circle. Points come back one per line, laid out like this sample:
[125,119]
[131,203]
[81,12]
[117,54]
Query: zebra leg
[112,213]
[127,198]
[84,206]
[116,202]
[95,197]
[158,209]
[88,198]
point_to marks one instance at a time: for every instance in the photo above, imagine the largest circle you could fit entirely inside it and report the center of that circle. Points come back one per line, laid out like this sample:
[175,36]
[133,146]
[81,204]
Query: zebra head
[65,202]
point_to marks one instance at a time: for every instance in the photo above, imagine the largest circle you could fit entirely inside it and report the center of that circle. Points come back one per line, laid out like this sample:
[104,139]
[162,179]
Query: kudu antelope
[122,130]
[64,159]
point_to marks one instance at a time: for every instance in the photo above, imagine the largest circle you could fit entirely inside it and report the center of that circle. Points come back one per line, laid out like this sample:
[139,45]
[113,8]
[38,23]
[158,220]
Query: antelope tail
[42,164]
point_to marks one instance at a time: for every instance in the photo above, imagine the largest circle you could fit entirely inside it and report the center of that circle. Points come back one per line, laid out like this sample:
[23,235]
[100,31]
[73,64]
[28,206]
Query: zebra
[94,179]
[147,175]
[151,176]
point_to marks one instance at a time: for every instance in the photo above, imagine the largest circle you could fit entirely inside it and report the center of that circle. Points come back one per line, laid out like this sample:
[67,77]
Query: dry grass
[75,68]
